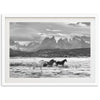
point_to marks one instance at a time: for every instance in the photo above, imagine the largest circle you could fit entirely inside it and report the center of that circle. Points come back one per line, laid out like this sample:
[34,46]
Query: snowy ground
[27,68]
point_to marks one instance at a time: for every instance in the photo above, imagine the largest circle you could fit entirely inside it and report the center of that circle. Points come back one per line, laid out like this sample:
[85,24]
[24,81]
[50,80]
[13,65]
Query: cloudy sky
[37,31]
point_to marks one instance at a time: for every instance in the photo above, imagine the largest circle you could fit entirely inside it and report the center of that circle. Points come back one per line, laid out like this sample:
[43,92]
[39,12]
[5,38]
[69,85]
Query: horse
[39,64]
[50,63]
[47,63]
[61,62]
[43,63]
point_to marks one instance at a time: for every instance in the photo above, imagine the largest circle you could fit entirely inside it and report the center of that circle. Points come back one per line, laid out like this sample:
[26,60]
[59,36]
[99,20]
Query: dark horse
[61,62]
[49,63]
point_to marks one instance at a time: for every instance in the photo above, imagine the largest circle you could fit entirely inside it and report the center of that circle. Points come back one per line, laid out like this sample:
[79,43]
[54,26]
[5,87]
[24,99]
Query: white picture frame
[93,81]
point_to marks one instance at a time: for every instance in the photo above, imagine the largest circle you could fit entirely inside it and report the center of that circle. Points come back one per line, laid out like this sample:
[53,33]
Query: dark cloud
[85,23]
[38,30]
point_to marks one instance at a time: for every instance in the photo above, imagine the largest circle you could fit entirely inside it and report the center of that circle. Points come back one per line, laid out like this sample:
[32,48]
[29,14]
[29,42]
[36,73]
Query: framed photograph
[48,50]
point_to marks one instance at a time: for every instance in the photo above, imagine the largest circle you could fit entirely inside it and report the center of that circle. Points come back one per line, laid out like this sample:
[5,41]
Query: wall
[52,7]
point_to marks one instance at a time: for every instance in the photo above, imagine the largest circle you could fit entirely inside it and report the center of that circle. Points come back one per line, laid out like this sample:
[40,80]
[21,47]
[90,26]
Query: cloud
[53,30]
[22,32]
[86,23]
[37,31]
[80,24]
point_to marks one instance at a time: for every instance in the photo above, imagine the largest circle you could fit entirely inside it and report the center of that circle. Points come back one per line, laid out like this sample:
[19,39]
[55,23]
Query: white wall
[53,7]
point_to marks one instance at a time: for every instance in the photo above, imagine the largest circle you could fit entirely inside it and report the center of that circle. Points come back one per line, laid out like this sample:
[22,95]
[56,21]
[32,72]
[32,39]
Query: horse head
[65,60]
[52,60]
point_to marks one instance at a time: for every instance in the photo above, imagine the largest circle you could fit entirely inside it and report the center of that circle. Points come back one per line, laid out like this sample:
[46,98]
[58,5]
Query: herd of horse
[50,63]
[43,63]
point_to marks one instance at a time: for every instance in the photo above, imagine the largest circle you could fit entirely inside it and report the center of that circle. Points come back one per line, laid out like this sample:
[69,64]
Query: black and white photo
[50,50]
[47,49]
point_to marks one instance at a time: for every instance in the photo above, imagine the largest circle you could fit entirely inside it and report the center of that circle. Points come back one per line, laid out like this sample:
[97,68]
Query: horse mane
[64,60]
[52,60]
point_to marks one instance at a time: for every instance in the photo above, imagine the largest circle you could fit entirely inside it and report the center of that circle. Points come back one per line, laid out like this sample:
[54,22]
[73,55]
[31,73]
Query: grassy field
[28,68]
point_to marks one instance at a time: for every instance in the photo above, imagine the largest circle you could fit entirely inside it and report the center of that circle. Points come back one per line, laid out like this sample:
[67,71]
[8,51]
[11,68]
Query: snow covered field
[27,68]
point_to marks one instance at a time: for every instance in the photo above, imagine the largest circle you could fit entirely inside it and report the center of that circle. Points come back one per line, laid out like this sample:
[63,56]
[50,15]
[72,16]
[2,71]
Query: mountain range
[51,43]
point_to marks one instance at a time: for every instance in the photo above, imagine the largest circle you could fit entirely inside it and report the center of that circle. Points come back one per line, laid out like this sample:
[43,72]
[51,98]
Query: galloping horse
[61,62]
[43,63]
[50,63]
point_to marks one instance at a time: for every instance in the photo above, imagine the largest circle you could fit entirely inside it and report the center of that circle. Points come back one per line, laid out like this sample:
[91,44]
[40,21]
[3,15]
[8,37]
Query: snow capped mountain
[61,44]
[51,43]
[48,43]
[14,45]
[73,43]
[23,43]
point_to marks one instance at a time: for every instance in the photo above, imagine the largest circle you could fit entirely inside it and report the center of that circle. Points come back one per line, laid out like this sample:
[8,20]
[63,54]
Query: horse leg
[56,64]
[47,67]
[62,65]
[33,68]
[41,69]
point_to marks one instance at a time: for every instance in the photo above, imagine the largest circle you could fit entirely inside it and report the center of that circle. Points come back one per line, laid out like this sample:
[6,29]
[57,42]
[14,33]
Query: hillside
[52,53]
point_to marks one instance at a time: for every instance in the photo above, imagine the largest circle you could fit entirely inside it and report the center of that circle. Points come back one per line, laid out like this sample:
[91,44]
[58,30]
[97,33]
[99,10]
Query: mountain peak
[48,43]
[51,43]
[53,37]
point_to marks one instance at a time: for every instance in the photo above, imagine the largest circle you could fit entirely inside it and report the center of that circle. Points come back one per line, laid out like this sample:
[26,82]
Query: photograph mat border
[4,56]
